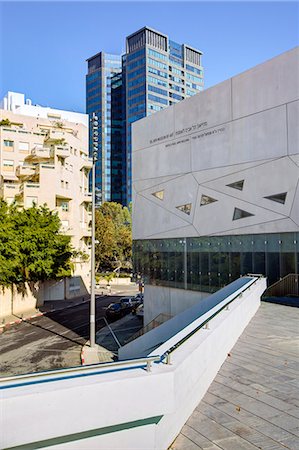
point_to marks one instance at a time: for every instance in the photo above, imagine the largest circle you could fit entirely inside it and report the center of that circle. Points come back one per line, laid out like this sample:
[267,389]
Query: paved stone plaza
[253,403]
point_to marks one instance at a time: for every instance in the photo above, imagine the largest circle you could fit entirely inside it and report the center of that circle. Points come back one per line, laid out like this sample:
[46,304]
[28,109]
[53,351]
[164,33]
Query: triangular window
[237,185]
[278,198]
[185,208]
[159,195]
[206,200]
[241,214]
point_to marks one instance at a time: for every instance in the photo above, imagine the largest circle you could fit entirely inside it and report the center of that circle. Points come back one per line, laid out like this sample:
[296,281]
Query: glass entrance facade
[207,264]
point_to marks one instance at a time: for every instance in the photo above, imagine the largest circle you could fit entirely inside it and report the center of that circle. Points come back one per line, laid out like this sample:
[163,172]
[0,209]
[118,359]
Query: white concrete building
[44,160]
[215,183]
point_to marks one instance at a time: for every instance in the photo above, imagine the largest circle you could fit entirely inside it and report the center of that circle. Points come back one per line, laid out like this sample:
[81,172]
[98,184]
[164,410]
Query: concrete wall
[119,399]
[33,295]
[245,128]
[170,301]
[14,302]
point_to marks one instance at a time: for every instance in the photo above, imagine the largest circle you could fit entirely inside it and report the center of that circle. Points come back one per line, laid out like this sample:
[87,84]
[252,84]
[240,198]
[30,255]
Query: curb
[7,325]
[82,356]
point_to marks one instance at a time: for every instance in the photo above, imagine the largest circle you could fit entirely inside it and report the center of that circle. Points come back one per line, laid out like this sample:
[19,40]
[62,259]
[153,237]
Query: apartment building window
[66,185]
[24,146]
[8,145]
[8,164]
[64,206]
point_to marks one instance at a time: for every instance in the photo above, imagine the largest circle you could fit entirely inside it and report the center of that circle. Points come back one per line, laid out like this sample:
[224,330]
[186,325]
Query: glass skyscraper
[156,72]
[101,69]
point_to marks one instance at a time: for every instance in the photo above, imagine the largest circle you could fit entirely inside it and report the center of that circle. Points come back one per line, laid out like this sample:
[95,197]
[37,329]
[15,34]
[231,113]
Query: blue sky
[43,45]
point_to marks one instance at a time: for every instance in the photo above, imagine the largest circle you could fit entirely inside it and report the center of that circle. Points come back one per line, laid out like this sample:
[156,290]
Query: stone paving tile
[198,438]
[253,402]
[235,443]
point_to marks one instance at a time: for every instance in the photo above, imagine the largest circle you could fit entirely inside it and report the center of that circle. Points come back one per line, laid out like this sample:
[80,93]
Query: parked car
[139,297]
[118,310]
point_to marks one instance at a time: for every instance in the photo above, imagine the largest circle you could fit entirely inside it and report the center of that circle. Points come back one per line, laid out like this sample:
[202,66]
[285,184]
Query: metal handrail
[204,323]
[92,369]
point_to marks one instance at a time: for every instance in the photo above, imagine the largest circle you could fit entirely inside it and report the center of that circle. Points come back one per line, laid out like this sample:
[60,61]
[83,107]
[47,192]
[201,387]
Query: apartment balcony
[87,197]
[85,229]
[39,154]
[25,172]
[86,163]
[55,137]
[63,151]
[31,188]
[9,190]
[45,166]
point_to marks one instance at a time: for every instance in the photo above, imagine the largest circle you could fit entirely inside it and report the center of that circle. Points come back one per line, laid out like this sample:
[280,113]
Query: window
[153,62]
[8,145]
[64,206]
[157,90]
[185,208]
[237,185]
[193,78]
[278,198]
[154,98]
[66,185]
[194,69]
[156,81]
[157,72]
[157,54]
[155,107]
[206,200]
[24,146]
[159,194]
[241,214]
[8,164]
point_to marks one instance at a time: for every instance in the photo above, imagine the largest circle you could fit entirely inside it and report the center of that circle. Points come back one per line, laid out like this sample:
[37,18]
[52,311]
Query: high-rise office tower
[156,73]
[101,68]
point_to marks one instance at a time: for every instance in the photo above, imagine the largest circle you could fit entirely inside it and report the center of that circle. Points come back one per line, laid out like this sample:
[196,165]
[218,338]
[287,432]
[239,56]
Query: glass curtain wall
[208,263]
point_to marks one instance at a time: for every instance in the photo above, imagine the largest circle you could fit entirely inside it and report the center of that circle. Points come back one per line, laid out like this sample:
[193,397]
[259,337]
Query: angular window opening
[185,208]
[159,194]
[237,185]
[241,214]
[206,200]
[278,198]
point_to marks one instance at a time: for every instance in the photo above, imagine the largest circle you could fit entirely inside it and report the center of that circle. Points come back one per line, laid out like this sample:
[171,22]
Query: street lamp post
[95,139]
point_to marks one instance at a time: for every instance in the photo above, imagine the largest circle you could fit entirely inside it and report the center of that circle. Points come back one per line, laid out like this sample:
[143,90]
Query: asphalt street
[51,341]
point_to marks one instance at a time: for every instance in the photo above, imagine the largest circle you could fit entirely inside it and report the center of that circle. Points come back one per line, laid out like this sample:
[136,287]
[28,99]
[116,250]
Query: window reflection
[209,263]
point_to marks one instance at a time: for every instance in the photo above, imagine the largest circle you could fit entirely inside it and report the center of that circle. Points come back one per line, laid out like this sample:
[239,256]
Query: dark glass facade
[101,68]
[118,130]
[207,264]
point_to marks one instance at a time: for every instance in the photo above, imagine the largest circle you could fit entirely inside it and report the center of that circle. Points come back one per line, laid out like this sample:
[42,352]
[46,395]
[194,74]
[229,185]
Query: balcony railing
[25,171]
[62,150]
[39,153]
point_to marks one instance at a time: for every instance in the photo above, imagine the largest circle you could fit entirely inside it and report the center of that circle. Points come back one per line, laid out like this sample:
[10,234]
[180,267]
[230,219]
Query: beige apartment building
[44,160]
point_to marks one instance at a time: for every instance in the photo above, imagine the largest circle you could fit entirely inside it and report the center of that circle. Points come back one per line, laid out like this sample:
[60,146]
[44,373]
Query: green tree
[114,236]
[31,246]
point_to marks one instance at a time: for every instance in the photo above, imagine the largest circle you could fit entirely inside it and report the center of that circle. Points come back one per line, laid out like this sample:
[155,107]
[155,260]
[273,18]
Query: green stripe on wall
[87,434]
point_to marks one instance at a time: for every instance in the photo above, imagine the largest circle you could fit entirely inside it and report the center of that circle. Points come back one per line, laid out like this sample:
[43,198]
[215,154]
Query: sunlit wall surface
[216,182]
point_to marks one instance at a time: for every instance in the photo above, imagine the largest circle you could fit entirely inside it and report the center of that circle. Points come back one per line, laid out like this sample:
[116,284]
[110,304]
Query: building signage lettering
[197,136]
[178,133]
